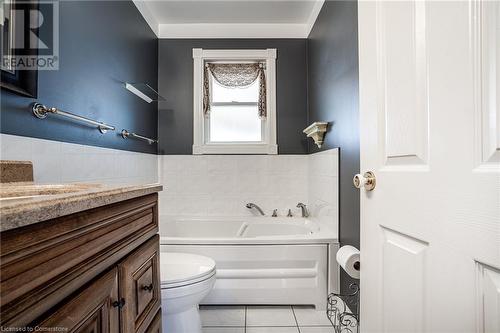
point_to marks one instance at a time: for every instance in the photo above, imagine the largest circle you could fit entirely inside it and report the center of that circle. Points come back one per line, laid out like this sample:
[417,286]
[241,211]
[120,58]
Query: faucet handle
[275,213]
[289,213]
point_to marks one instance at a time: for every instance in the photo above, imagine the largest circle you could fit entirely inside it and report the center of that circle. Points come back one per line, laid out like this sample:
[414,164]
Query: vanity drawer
[45,262]
[139,276]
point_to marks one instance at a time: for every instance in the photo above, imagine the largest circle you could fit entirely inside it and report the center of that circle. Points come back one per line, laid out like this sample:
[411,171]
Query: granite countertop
[59,200]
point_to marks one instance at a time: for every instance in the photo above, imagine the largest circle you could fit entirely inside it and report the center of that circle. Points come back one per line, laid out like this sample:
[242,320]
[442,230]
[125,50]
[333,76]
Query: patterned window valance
[235,76]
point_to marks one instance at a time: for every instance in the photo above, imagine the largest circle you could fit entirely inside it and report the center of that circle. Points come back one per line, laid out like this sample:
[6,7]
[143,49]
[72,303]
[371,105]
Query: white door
[430,132]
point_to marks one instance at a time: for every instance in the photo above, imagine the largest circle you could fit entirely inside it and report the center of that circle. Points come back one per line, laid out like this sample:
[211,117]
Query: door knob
[367,180]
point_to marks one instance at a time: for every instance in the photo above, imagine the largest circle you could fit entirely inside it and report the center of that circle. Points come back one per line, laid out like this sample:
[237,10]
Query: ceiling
[230,18]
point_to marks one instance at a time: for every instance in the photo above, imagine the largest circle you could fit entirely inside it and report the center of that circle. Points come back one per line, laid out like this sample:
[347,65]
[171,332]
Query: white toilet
[185,280]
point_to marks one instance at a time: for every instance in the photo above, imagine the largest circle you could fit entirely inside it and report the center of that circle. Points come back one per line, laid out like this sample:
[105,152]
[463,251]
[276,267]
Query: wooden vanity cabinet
[93,271]
[92,310]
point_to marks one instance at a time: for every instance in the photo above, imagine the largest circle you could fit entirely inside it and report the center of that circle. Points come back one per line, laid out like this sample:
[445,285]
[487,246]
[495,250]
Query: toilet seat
[183,269]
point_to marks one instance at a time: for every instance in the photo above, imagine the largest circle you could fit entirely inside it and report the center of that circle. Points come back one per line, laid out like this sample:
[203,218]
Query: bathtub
[260,260]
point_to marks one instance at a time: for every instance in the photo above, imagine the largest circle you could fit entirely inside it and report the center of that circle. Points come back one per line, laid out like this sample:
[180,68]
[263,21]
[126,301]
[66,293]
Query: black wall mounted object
[20,81]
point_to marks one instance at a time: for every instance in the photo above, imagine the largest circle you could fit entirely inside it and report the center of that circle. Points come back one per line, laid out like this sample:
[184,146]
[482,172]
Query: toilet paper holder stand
[343,310]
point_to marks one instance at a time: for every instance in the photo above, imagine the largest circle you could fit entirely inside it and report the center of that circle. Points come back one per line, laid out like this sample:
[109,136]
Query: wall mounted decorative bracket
[316,131]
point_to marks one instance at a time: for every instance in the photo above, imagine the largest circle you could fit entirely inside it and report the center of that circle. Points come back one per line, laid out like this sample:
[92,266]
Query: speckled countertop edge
[24,212]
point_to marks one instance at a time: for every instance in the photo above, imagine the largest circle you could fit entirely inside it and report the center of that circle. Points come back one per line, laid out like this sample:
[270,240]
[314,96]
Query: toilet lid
[184,268]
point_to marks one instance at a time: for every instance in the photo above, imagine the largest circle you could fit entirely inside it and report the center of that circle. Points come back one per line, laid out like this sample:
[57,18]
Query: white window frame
[201,143]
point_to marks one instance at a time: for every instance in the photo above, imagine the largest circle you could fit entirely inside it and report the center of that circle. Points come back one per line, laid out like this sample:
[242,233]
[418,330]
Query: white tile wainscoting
[264,319]
[323,186]
[194,185]
[60,162]
[221,185]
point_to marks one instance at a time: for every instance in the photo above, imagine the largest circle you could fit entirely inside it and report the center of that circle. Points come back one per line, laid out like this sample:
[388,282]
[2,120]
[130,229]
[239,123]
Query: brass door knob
[367,180]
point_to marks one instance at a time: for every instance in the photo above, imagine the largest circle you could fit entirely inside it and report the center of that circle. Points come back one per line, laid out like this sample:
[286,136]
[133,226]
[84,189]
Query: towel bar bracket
[40,111]
[126,134]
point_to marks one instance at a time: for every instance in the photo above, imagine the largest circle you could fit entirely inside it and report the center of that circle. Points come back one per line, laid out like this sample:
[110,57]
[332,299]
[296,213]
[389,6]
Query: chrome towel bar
[126,134]
[40,111]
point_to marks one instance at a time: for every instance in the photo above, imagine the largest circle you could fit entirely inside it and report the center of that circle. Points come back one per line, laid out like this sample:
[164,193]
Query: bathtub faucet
[303,207]
[252,205]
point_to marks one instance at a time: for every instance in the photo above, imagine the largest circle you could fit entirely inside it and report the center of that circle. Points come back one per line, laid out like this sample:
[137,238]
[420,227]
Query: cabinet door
[139,276]
[155,326]
[94,310]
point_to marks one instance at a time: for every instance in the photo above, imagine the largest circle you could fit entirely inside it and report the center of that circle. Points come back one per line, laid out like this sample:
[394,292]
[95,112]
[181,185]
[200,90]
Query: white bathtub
[260,260]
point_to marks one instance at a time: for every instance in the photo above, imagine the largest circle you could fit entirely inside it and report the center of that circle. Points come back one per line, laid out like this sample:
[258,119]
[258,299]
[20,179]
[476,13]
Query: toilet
[185,280]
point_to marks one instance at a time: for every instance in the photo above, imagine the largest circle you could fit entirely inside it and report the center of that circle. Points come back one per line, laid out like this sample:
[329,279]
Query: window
[234,112]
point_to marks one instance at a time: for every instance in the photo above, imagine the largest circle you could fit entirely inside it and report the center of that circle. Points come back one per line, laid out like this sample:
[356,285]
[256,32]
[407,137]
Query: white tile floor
[264,319]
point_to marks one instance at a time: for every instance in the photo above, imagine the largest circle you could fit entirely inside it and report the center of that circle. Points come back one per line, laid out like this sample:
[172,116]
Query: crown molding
[148,16]
[314,15]
[230,30]
[233,30]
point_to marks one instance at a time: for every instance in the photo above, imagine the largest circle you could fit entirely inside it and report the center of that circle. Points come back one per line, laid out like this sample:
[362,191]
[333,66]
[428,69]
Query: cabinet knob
[148,288]
[119,304]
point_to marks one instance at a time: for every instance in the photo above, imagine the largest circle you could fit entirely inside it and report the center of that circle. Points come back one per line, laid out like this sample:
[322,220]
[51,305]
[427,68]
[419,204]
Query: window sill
[227,148]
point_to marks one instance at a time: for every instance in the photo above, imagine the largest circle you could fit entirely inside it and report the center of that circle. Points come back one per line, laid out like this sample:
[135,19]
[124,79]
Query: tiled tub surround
[59,162]
[203,212]
[221,185]
[323,188]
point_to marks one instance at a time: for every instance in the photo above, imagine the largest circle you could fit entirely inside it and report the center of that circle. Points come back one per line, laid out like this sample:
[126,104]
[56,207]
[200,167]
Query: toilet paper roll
[348,258]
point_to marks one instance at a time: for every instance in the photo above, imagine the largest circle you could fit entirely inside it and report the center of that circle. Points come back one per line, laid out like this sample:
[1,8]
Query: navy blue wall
[333,97]
[175,79]
[102,45]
